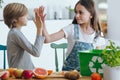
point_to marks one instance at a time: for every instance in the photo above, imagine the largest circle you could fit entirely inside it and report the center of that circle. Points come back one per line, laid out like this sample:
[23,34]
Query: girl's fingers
[41,13]
[41,10]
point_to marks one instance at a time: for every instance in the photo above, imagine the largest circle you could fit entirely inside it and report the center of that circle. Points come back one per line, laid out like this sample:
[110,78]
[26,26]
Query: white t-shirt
[69,35]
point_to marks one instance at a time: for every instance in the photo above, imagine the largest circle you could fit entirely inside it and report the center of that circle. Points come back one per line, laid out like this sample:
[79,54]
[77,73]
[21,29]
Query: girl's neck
[86,28]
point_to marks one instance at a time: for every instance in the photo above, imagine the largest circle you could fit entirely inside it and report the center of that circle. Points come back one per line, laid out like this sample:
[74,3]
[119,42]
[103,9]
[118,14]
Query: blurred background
[59,14]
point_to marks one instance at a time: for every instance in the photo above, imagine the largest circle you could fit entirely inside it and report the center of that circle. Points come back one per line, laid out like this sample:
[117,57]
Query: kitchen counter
[55,78]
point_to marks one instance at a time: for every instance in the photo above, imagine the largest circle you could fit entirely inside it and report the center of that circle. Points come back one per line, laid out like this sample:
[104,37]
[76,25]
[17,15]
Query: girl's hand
[41,13]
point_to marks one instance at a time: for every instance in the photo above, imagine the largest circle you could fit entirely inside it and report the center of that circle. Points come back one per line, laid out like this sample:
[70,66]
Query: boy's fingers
[36,10]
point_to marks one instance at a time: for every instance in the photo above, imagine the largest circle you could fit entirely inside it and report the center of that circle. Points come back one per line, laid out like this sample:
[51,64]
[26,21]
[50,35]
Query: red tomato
[96,76]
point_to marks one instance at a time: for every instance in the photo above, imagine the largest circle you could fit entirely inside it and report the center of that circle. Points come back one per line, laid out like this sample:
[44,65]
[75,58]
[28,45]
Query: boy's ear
[14,21]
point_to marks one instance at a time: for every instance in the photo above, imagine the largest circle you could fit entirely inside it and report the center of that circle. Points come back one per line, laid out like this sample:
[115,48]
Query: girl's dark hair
[90,6]
[13,11]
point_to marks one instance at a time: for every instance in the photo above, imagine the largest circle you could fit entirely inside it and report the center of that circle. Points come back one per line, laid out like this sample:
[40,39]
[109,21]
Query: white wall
[37,3]
[51,6]
[113,19]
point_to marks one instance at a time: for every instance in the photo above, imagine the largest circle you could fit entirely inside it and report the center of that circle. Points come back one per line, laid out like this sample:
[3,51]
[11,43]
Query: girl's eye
[80,12]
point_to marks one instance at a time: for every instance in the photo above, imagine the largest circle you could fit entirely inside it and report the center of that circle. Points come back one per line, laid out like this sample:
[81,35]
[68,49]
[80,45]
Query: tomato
[96,76]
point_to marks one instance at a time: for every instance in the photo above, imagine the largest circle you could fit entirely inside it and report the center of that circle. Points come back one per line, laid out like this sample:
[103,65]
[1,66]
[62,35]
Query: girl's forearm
[46,35]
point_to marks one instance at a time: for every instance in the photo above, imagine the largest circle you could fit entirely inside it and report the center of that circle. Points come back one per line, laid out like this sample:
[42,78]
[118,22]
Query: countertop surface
[53,76]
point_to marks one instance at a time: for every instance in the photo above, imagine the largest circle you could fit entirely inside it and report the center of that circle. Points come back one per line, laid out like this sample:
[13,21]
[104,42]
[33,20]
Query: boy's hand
[38,21]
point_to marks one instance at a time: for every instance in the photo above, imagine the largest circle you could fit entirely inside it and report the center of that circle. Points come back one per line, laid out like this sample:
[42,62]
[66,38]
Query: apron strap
[76,32]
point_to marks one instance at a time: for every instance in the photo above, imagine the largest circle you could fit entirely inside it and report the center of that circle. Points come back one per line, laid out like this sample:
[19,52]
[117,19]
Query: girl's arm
[53,37]
[49,37]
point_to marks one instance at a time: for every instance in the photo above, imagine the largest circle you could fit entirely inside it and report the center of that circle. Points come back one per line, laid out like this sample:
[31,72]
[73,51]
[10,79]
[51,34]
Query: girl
[18,47]
[83,34]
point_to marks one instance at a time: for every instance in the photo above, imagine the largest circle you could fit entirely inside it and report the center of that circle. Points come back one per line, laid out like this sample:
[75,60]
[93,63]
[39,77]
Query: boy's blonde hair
[13,11]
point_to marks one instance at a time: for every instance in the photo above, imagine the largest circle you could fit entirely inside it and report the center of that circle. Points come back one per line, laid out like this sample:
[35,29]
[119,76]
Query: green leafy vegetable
[111,55]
